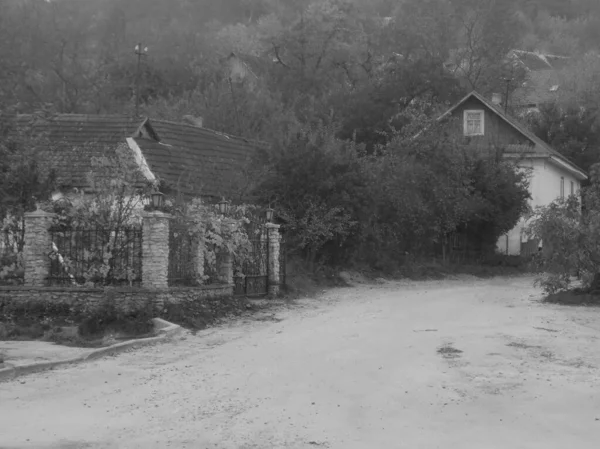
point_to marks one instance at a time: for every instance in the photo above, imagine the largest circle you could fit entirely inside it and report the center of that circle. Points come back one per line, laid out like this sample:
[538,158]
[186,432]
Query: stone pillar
[37,248]
[155,250]
[274,240]
[225,260]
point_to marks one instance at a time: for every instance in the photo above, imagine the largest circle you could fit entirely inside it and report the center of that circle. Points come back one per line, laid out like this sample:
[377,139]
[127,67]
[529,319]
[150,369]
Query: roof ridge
[208,130]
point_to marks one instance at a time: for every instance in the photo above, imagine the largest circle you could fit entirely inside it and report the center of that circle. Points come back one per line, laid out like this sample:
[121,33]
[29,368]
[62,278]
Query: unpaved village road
[364,367]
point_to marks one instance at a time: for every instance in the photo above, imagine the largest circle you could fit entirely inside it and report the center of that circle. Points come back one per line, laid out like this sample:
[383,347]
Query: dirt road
[451,364]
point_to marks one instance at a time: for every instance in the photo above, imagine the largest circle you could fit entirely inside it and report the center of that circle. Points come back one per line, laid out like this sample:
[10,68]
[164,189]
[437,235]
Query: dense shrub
[402,202]
[570,235]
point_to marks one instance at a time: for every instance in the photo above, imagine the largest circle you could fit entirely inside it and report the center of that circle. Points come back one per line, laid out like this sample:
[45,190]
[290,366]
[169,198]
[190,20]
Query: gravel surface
[448,364]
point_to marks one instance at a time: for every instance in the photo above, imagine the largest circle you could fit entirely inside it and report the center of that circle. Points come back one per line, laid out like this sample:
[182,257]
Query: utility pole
[140,52]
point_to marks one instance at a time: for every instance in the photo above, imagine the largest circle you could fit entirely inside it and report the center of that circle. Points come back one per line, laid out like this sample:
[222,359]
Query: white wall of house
[545,186]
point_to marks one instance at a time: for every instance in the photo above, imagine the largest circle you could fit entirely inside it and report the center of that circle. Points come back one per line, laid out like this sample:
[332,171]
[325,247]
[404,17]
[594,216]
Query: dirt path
[453,364]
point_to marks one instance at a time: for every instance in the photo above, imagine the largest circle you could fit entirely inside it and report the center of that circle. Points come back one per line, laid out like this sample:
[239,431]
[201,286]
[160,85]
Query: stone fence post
[225,267]
[155,250]
[37,247]
[274,246]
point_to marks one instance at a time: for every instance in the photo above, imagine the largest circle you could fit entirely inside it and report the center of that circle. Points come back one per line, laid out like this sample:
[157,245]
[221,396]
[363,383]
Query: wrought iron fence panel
[95,255]
[182,256]
[11,263]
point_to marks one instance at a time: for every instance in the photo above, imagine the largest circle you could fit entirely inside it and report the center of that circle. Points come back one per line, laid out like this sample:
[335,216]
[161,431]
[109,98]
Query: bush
[340,204]
[570,232]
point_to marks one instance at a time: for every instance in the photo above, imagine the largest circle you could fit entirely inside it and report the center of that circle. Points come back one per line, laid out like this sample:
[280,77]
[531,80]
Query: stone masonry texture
[155,250]
[37,247]
[128,300]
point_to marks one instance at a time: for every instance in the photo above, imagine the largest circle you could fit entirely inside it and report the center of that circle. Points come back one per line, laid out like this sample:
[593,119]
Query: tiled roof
[193,160]
[74,139]
[196,160]
[539,147]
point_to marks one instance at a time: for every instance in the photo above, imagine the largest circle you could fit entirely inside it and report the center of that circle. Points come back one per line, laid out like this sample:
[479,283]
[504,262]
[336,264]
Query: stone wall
[125,299]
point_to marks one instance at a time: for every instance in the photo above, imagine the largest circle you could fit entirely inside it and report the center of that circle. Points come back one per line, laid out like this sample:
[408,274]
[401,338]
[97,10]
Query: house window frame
[481,113]
[572,188]
[562,187]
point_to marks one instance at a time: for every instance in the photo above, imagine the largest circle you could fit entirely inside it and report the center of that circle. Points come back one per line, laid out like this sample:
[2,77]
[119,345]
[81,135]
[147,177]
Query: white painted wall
[544,186]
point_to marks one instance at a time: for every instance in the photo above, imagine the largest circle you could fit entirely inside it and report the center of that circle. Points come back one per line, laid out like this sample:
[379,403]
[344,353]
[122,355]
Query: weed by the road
[575,297]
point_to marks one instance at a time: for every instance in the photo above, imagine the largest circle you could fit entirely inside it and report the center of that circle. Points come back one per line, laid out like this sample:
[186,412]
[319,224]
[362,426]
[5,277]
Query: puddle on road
[449,352]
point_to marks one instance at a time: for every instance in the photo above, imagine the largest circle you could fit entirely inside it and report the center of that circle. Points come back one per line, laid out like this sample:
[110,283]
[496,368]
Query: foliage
[322,210]
[79,56]
[408,197]
[24,176]
[571,123]
[570,232]
[112,211]
[24,180]
[216,233]
[572,130]
[561,229]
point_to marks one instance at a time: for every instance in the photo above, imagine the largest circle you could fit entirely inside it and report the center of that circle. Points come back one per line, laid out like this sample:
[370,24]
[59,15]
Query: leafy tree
[25,178]
[571,123]
[570,239]
[321,210]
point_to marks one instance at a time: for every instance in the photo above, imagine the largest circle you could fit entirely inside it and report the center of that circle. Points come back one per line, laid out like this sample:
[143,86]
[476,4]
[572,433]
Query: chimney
[497,99]
[196,121]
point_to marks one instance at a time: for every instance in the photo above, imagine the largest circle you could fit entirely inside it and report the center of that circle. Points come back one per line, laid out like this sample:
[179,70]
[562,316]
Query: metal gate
[251,276]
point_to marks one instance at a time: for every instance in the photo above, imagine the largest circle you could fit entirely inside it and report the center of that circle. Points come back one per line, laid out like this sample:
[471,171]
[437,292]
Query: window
[562,187]
[572,188]
[473,123]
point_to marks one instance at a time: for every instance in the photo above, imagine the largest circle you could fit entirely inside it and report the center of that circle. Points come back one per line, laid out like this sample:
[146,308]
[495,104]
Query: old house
[185,157]
[485,125]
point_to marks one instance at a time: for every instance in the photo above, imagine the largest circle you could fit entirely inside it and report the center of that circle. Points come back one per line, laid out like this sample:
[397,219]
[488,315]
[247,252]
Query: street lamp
[157,200]
[223,206]
[269,213]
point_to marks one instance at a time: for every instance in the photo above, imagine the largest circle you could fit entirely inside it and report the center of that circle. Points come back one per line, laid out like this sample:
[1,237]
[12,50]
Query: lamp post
[269,214]
[140,52]
[223,206]
[157,200]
